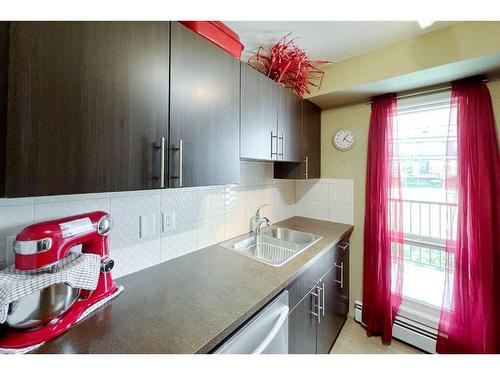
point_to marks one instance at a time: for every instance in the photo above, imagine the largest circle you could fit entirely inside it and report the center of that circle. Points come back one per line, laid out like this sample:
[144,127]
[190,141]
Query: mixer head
[43,244]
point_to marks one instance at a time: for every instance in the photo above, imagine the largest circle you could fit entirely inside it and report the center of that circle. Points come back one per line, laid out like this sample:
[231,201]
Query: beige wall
[352,165]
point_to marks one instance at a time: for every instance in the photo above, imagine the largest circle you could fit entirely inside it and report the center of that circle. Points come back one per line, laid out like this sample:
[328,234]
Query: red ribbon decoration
[289,66]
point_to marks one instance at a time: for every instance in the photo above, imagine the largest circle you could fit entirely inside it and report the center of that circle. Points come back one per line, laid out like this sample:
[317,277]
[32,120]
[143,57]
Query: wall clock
[344,139]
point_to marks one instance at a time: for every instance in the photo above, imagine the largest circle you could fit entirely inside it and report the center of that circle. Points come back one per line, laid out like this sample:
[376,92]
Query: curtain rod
[424,92]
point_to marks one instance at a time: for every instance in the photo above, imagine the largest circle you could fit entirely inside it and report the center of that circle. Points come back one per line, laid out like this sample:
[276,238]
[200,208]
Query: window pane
[425,159]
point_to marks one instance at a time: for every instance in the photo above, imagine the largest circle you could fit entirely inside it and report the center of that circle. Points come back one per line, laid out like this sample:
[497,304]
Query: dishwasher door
[265,333]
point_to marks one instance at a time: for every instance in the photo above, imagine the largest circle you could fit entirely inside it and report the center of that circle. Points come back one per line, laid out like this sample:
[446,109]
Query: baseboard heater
[408,330]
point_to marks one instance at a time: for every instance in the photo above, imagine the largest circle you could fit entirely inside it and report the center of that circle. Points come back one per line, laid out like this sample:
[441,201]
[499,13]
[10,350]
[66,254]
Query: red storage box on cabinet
[217,33]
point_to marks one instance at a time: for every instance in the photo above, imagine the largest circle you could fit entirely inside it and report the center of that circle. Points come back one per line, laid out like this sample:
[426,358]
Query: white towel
[77,270]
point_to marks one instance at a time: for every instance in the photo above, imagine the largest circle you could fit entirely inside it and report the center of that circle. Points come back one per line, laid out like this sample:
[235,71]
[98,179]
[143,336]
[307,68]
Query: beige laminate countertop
[191,303]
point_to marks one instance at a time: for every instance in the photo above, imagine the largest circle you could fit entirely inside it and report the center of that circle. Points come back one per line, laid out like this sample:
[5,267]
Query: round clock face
[344,139]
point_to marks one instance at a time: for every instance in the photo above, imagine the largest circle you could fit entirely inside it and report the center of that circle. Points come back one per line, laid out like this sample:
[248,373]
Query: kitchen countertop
[191,303]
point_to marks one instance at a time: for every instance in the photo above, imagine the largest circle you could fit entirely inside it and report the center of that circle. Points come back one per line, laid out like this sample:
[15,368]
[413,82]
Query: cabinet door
[335,287]
[204,112]
[259,115]
[327,329]
[289,126]
[4,77]
[88,102]
[342,284]
[302,326]
[311,140]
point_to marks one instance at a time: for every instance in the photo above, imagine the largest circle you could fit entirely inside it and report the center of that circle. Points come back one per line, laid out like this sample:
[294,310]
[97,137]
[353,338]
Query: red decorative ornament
[289,66]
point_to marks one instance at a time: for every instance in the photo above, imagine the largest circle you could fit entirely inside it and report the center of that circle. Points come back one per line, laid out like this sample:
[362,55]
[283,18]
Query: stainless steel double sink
[274,245]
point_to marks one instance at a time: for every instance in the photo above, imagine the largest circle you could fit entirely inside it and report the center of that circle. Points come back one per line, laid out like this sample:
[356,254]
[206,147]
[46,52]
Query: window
[426,145]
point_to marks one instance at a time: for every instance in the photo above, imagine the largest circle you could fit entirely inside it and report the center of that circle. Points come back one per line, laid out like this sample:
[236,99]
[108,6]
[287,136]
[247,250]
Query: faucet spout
[260,222]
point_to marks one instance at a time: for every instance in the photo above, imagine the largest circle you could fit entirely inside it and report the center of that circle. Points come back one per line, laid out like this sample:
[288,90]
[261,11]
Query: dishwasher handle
[274,331]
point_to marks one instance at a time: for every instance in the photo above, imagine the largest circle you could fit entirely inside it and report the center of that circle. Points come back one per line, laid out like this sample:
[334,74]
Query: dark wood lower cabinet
[329,297]
[340,306]
[302,327]
[327,328]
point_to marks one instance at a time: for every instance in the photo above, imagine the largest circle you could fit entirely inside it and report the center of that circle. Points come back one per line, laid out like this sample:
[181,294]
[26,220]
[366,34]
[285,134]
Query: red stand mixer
[43,245]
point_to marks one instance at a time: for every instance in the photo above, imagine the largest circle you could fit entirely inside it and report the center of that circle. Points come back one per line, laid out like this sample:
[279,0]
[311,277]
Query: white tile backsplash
[135,258]
[203,215]
[67,206]
[235,223]
[325,199]
[182,241]
[12,220]
[235,199]
[126,211]
[211,202]
[183,203]
[210,231]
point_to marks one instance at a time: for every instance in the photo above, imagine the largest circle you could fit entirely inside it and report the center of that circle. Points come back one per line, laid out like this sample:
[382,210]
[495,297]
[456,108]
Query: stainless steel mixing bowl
[41,307]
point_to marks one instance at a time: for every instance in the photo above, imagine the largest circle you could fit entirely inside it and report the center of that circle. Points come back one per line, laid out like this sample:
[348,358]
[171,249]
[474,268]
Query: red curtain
[470,318]
[383,262]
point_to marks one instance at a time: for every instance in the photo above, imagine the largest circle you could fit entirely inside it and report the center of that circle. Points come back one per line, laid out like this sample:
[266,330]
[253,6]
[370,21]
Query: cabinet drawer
[306,281]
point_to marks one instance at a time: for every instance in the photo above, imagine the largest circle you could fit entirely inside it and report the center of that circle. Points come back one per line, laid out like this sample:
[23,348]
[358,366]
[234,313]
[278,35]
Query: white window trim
[410,308]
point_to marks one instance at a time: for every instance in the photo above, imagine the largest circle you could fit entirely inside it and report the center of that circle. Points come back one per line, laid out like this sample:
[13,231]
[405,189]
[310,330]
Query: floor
[353,340]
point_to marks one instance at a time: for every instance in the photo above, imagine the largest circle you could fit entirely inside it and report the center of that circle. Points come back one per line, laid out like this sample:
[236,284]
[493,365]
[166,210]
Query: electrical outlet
[168,222]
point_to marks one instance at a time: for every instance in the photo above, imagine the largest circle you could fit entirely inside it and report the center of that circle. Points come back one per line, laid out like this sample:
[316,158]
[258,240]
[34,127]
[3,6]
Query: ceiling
[488,65]
[329,40]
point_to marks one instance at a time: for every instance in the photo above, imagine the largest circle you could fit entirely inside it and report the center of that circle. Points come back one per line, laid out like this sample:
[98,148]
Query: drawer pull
[323,291]
[341,282]
[318,305]
[343,245]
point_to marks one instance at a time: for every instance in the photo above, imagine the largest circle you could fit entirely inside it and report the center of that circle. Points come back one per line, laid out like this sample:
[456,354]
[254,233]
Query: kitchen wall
[203,216]
[325,199]
[352,165]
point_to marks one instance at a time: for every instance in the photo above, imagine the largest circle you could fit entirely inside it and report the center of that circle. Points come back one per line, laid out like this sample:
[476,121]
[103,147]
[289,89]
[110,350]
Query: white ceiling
[329,40]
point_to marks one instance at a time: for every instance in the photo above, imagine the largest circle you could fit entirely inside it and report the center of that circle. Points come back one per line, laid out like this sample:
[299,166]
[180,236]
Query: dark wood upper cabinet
[4,74]
[289,126]
[259,115]
[204,112]
[88,104]
[311,140]
[309,143]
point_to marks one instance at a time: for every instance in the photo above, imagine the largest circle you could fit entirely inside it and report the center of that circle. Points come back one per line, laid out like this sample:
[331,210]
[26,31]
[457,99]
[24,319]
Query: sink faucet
[258,220]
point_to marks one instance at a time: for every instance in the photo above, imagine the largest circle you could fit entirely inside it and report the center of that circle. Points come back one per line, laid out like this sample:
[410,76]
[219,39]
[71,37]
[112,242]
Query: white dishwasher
[265,333]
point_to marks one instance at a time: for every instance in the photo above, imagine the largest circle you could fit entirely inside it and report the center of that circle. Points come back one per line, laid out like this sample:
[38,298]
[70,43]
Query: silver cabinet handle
[181,166]
[343,245]
[306,161]
[282,144]
[272,143]
[323,291]
[162,163]
[161,147]
[341,282]
[318,300]
[318,314]
[181,153]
